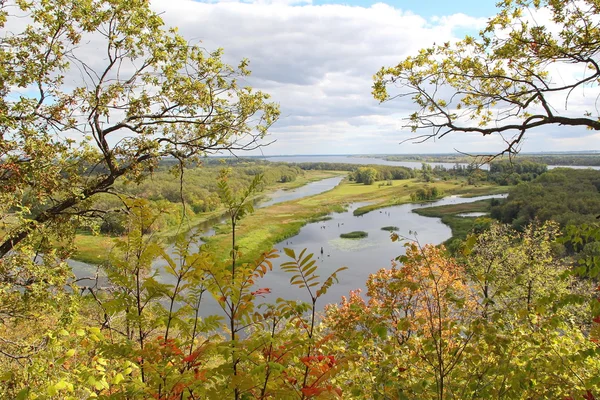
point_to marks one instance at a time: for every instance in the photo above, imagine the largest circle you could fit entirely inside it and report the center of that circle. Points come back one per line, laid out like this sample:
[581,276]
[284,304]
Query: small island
[354,235]
[390,228]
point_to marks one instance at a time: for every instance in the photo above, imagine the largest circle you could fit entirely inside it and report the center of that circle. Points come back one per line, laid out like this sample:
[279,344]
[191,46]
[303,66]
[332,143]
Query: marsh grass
[460,226]
[92,249]
[354,235]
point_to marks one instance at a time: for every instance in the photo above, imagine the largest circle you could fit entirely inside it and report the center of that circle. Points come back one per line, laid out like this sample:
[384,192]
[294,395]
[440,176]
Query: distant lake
[358,161]
[381,161]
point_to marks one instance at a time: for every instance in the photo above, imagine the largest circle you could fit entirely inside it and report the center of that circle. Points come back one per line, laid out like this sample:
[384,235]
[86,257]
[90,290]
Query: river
[309,189]
[362,256]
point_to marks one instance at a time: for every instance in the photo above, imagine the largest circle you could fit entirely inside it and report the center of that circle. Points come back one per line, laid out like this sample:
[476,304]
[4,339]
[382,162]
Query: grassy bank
[460,226]
[446,187]
[94,249]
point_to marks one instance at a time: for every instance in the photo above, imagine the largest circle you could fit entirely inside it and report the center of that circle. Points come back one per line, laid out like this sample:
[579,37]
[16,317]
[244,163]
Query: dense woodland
[577,158]
[569,197]
[510,311]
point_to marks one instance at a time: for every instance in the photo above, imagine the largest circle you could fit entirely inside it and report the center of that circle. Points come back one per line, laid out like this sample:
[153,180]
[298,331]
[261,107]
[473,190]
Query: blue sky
[429,8]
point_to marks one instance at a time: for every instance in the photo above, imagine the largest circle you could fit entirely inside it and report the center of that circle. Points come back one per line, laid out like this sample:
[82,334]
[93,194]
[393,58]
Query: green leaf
[380,330]
[23,394]
[290,253]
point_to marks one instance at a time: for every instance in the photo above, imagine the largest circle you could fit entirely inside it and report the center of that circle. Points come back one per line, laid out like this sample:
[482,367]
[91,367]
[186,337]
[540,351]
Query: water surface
[362,256]
[309,189]
[381,161]
[472,214]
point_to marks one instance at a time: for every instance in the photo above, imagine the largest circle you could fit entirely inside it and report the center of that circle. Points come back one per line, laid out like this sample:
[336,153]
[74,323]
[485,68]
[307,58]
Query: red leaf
[261,292]
[311,391]
[307,360]
[588,395]
[191,357]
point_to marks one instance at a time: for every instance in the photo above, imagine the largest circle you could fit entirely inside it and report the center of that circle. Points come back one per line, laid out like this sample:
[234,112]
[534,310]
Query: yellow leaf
[118,378]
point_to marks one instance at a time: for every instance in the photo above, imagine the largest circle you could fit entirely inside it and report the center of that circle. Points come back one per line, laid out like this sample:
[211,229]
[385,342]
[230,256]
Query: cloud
[318,63]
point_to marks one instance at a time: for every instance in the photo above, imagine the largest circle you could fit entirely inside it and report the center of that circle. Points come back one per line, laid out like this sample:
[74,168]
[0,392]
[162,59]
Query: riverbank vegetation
[461,226]
[195,191]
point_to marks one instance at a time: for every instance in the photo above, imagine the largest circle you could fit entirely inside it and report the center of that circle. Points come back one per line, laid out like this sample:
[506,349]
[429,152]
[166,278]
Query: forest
[562,159]
[137,261]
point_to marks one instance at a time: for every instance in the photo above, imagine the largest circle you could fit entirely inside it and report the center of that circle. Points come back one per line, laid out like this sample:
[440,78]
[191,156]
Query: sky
[317,59]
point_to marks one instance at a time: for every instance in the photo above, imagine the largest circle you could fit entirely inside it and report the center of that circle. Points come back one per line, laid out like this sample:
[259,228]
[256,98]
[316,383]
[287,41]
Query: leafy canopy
[94,90]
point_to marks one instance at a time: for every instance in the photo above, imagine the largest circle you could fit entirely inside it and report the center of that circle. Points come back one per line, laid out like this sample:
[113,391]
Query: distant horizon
[576,152]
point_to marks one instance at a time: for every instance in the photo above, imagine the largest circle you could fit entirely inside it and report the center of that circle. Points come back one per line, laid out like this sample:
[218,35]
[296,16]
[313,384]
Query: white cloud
[318,63]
